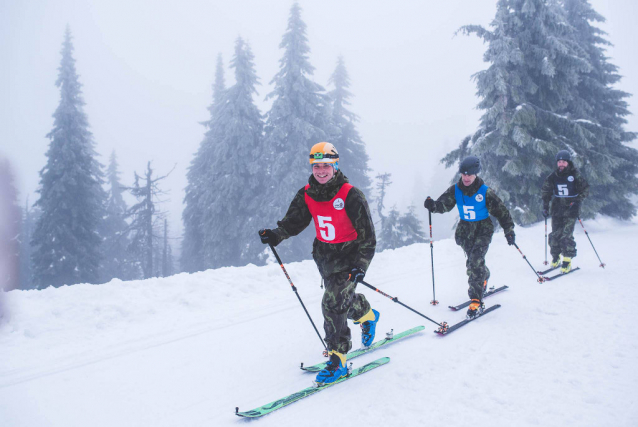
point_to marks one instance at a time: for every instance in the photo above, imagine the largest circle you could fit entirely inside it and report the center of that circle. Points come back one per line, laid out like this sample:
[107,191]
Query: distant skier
[566,188]
[475,202]
[343,248]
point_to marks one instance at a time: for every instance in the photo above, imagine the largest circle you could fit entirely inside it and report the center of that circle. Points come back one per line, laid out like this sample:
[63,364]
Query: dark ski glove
[511,238]
[429,204]
[268,237]
[356,274]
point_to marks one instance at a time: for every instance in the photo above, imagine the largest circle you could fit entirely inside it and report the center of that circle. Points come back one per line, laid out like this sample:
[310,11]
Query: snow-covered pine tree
[235,173]
[610,166]
[526,93]
[144,242]
[352,149]
[141,215]
[65,240]
[383,182]
[410,228]
[162,252]
[158,248]
[114,231]
[9,230]
[396,230]
[391,236]
[192,256]
[219,87]
[170,263]
[167,254]
[29,217]
[298,119]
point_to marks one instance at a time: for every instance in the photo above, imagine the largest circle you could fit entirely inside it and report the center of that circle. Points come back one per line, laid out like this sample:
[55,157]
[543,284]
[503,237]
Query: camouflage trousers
[475,248]
[340,303]
[561,239]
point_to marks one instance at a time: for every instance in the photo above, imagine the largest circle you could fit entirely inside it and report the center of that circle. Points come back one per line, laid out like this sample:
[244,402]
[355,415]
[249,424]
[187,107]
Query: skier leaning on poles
[566,189]
[475,202]
[343,248]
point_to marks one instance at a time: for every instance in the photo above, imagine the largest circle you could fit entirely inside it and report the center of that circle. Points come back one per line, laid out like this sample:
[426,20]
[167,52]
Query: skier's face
[562,164]
[323,172]
[467,179]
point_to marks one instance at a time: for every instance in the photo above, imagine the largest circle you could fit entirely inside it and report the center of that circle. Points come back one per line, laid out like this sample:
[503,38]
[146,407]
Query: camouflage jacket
[333,257]
[495,207]
[561,205]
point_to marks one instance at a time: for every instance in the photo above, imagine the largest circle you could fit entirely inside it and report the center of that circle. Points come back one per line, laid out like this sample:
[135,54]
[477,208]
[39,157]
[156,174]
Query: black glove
[268,237]
[546,212]
[429,204]
[511,238]
[357,274]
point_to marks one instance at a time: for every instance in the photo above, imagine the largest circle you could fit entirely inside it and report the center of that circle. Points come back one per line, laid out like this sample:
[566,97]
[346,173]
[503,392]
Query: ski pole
[434,301]
[545,242]
[395,299]
[540,279]
[602,264]
[281,264]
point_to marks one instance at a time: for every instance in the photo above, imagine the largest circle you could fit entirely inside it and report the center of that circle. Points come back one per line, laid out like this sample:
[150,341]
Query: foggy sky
[147,69]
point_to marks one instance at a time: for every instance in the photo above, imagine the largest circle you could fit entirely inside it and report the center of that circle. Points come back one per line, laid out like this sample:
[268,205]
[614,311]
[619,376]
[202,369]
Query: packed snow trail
[186,350]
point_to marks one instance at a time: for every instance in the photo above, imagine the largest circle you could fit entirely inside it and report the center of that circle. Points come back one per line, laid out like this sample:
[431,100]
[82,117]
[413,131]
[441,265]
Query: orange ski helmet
[324,152]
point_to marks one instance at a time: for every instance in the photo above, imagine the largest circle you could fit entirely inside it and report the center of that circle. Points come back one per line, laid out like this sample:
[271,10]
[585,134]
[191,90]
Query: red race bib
[332,224]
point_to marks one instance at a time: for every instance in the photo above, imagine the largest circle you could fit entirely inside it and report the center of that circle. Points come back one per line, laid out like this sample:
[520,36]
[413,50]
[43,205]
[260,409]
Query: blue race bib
[472,208]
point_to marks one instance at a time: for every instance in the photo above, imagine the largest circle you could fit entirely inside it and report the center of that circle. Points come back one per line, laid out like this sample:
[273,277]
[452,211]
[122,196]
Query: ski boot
[567,265]
[476,309]
[335,368]
[484,287]
[555,262]
[368,327]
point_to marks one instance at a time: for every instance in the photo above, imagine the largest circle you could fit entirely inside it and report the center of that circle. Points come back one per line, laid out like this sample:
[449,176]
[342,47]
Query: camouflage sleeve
[582,187]
[497,208]
[296,219]
[547,191]
[446,201]
[359,213]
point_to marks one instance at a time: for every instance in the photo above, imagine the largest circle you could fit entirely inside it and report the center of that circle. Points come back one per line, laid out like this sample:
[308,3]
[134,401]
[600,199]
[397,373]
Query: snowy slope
[185,350]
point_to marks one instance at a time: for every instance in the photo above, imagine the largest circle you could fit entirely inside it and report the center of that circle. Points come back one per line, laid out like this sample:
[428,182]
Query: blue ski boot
[368,327]
[336,368]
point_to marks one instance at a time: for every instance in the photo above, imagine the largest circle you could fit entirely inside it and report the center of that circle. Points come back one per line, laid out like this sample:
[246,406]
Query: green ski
[280,403]
[390,338]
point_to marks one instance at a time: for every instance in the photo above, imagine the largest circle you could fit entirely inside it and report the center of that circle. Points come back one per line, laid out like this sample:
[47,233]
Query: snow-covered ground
[186,350]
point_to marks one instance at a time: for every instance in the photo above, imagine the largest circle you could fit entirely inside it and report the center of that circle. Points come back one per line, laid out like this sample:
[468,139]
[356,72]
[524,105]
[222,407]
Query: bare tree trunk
[165,254]
[149,224]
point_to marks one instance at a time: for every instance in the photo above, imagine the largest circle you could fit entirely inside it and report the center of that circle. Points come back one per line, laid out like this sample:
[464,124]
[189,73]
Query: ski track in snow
[185,350]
